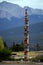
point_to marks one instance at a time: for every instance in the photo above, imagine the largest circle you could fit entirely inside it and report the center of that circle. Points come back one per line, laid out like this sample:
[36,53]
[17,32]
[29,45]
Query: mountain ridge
[16,34]
[12,23]
[17,11]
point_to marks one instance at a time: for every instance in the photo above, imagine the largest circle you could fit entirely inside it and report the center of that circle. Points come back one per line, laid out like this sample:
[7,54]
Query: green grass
[30,54]
[35,53]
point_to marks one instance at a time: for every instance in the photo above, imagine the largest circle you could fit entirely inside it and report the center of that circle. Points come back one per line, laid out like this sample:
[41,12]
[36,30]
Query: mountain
[16,22]
[36,34]
[7,24]
[12,23]
[13,15]
[9,10]
[16,34]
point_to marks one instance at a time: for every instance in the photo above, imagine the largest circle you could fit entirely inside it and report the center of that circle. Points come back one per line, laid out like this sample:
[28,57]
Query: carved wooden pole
[26,36]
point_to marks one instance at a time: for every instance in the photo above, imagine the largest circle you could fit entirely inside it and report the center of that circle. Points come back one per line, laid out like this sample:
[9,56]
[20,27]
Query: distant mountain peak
[4,2]
[14,10]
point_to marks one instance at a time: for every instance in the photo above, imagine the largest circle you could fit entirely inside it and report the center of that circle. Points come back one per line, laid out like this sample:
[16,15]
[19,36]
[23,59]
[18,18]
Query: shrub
[33,60]
[40,57]
[37,58]
[1,43]
[4,54]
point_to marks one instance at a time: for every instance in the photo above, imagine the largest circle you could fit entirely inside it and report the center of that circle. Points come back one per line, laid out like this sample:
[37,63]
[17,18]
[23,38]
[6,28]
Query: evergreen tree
[5,45]
[37,47]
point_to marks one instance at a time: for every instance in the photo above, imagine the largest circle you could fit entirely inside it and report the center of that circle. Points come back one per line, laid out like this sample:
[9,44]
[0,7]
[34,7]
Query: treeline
[20,47]
[17,47]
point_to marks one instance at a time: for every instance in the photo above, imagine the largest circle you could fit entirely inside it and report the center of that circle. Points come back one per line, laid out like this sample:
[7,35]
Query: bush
[40,57]
[37,58]
[33,60]
[1,43]
[4,54]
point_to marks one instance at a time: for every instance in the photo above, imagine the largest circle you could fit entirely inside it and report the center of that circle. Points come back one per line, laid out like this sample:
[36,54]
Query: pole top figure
[26,12]
[25,9]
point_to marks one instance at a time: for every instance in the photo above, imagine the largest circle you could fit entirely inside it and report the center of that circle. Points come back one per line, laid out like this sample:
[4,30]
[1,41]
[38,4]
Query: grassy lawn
[19,53]
[30,54]
[35,53]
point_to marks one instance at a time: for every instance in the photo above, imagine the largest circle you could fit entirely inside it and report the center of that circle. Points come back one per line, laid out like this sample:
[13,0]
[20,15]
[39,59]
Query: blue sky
[30,3]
